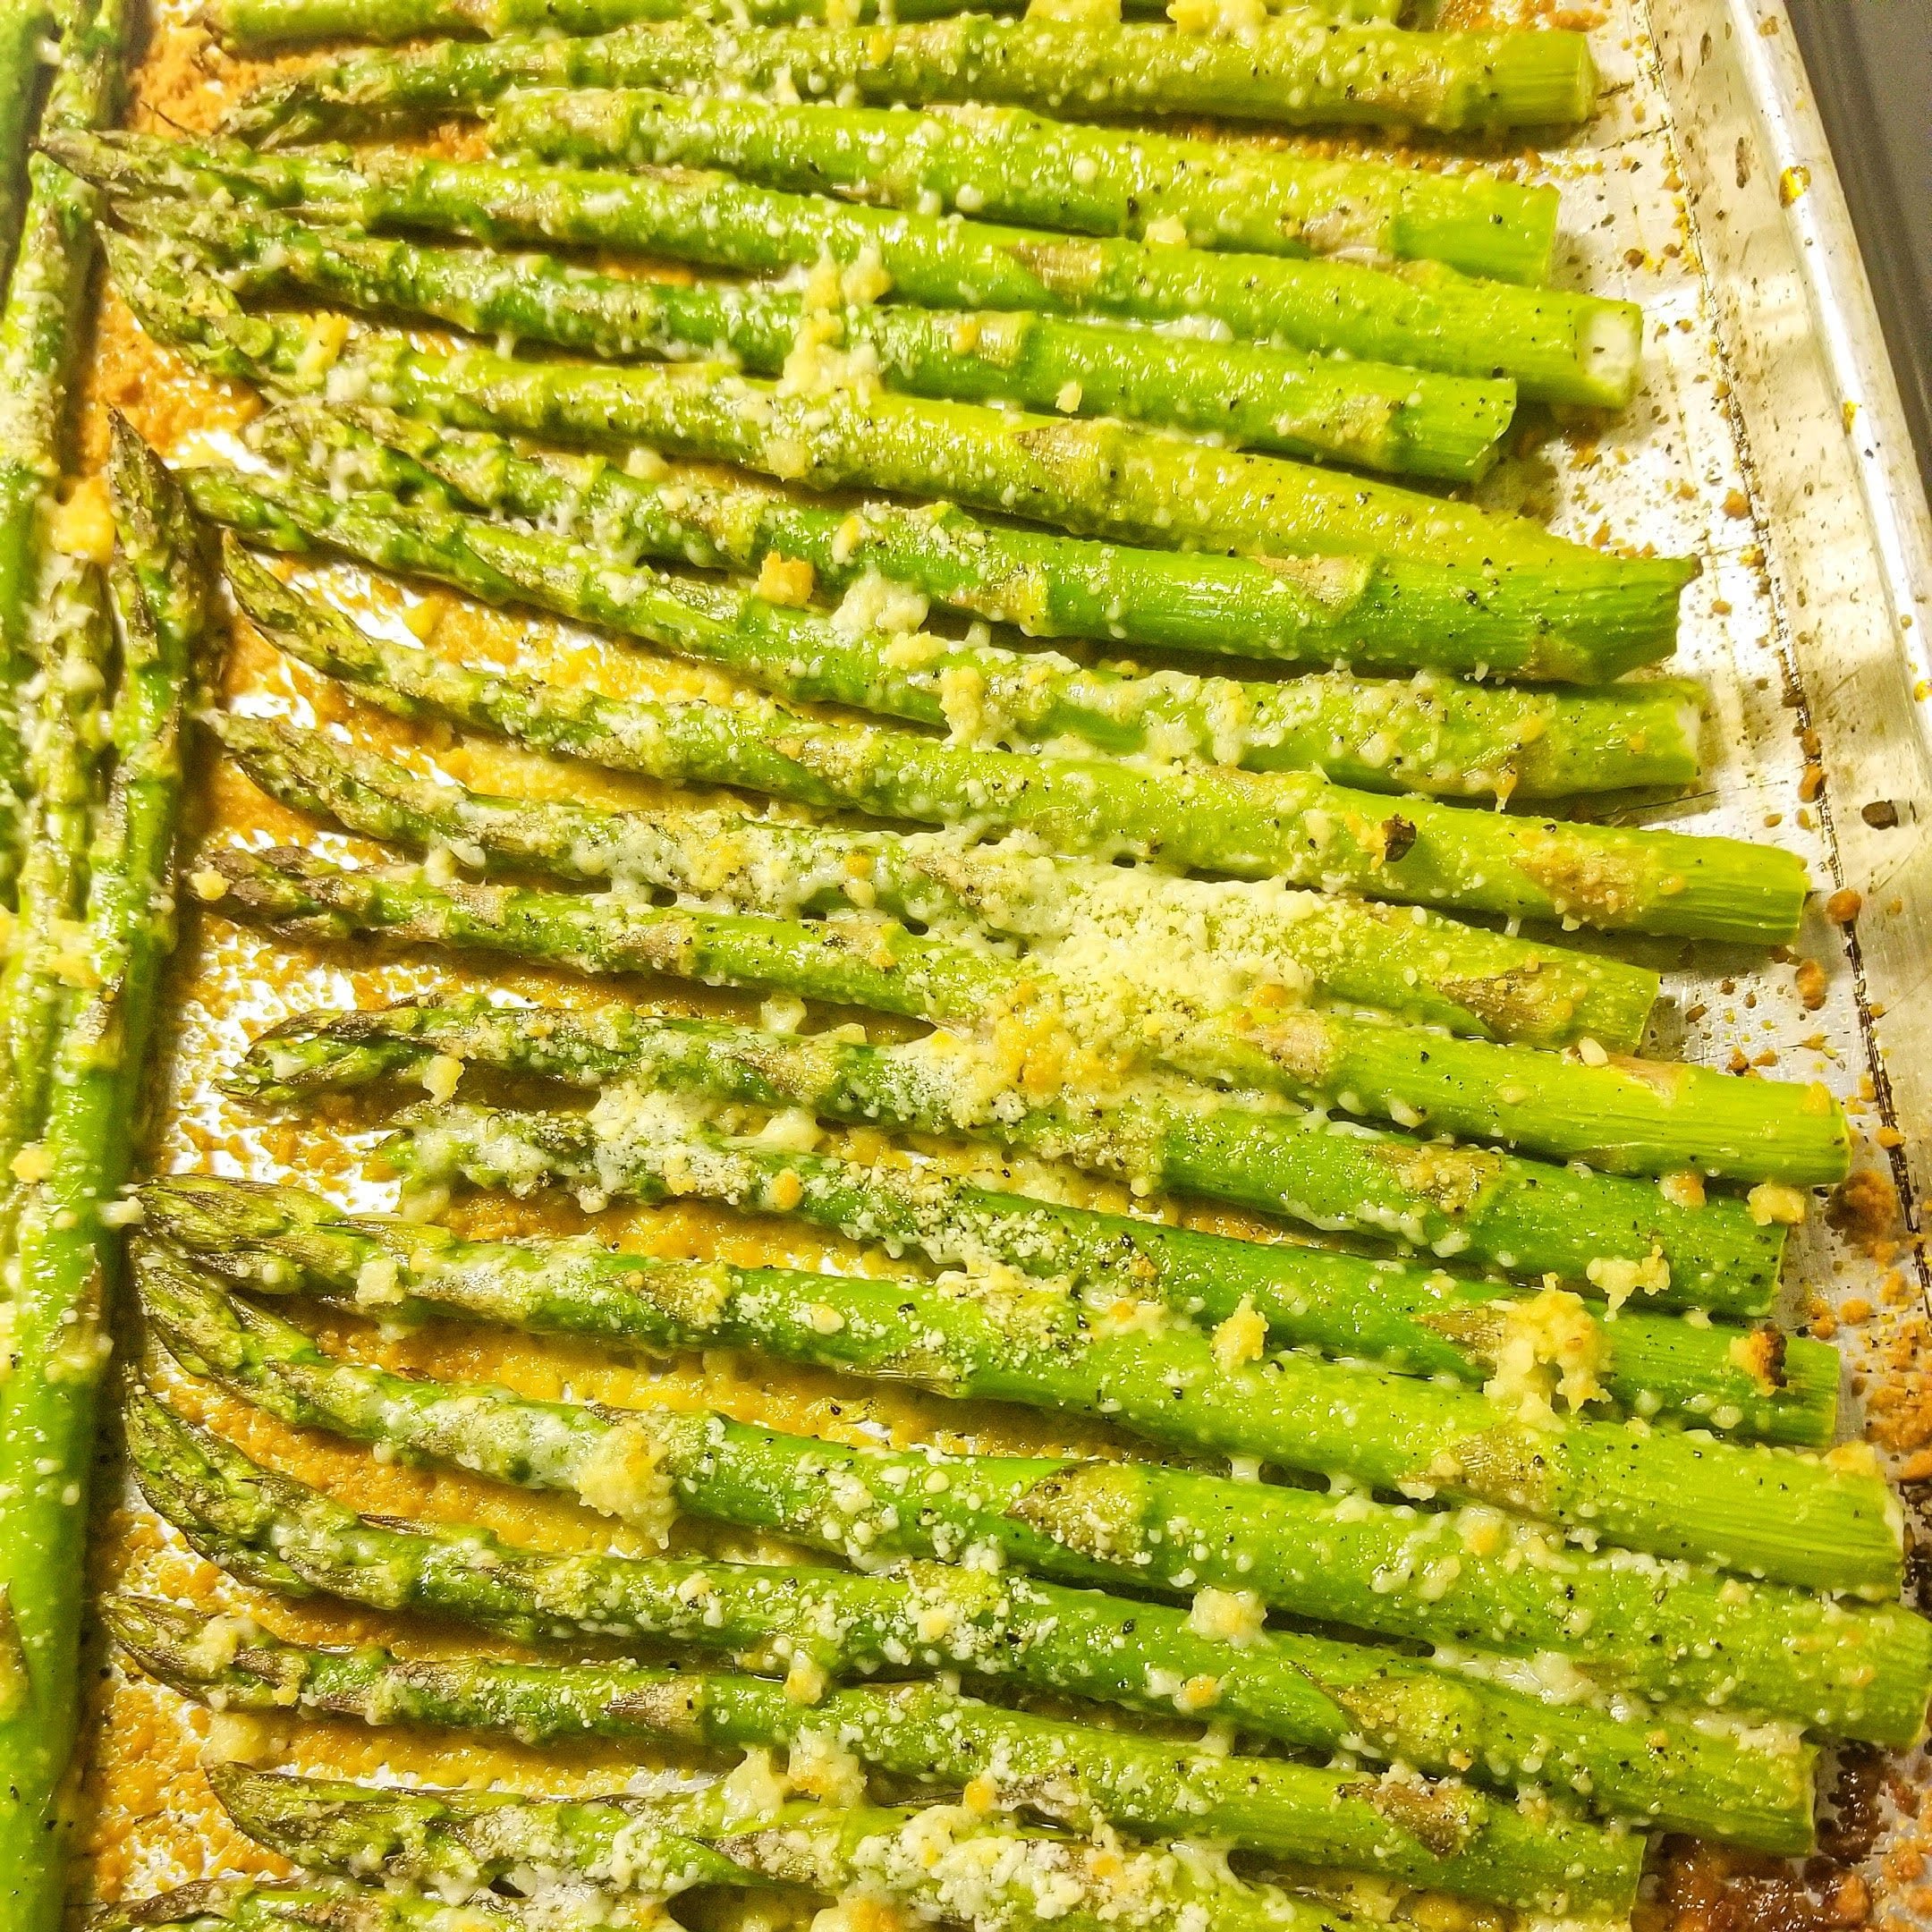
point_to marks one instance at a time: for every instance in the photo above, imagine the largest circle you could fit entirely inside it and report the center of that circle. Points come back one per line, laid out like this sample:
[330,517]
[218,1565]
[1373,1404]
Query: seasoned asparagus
[1072,1773]
[1555,346]
[946,1862]
[1298,69]
[1624,1235]
[1296,827]
[1846,1669]
[873,1507]
[1452,740]
[1289,401]
[64,746]
[1204,1019]
[810,1623]
[1105,477]
[1783,1388]
[1428,969]
[315,1905]
[66,1230]
[1044,1349]
[254,24]
[1044,584]
[1005,164]
[39,334]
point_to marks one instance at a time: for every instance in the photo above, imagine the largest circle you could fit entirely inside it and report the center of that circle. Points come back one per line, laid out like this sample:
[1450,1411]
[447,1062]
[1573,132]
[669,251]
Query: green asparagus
[812,1624]
[66,1235]
[1859,1669]
[1045,1349]
[1426,968]
[1072,1772]
[64,746]
[1299,70]
[1760,1383]
[255,23]
[1046,585]
[39,337]
[1204,1019]
[1015,1034]
[1291,826]
[1444,739]
[946,1862]
[1291,403]
[1003,163]
[1555,346]
[1496,607]
[1622,1235]
[873,1507]
[315,1905]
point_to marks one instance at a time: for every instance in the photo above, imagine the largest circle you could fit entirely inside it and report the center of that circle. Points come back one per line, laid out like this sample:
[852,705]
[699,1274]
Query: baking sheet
[1766,440]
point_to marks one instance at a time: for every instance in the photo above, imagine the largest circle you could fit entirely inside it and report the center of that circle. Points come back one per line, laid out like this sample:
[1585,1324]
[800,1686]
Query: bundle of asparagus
[1008,165]
[40,329]
[80,999]
[254,24]
[1046,585]
[1553,345]
[1291,402]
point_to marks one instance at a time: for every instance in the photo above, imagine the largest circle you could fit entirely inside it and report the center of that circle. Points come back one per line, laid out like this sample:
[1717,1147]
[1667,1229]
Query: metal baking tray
[1768,440]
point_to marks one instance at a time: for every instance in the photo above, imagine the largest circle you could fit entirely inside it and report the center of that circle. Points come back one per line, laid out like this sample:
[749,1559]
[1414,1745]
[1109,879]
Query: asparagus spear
[40,330]
[1297,70]
[1428,969]
[810,1624]
[1075,1773]
[946,1862]
[1618,1234]
[1444,739]
[63,746]
[1555,346]
[1201,1016]
[1047,585]
[873,1507]
[1296,827]
[255,23]
[66,1238]
[315,1905]
[1005,164]
[1853,1669]
[1618,606]
[1047,1350]
[1290,401]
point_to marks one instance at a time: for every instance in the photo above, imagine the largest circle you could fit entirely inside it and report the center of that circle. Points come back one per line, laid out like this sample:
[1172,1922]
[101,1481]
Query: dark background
[1870,62]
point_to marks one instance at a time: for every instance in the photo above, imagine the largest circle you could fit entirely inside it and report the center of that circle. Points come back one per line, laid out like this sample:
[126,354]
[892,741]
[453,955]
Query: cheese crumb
[624,1477]
[754,1790]
[1619,1277]
[1772,1203]
[788,580]
[1551,1345]
[1240,1338]
[377,1281]
[1224,20]
[805,1682]
[442,1073]
[83,525]
[1228,1616]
